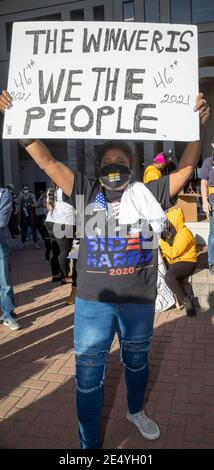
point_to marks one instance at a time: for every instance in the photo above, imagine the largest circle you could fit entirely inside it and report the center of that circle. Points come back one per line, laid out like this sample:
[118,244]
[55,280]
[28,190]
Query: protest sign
[103,80]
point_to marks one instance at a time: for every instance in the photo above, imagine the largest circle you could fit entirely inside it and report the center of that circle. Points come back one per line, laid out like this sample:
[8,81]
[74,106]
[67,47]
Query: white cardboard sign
[103,80]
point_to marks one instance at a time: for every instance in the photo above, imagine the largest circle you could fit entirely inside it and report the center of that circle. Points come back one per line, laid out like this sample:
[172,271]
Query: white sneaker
[148,428]
[13,324]
[36,245]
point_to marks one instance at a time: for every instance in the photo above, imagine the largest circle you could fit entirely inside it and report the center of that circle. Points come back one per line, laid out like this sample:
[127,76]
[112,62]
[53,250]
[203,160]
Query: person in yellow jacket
[154,171]
[178,249]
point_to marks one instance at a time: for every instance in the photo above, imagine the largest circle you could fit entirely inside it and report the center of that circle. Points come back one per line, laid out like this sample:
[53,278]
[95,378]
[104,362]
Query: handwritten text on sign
[103,80]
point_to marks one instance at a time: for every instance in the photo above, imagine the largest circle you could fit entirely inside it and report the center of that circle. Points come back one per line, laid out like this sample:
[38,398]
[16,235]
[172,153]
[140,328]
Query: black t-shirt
[114,269]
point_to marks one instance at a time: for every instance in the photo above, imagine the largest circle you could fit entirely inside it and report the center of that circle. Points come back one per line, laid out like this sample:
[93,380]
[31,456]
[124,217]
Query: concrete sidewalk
[37,389]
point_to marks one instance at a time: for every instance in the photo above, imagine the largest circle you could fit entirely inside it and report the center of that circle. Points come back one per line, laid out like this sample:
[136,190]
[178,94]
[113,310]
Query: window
[152,11]
[9,26]
[139,160]
[58,148]
[96,166]
[202,11]
[99,14]
[77,15]
[39,186]
[159,146]
[181,11]
[128,11]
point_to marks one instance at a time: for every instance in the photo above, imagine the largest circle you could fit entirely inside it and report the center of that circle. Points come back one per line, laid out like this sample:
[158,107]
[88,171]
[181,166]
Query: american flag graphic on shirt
[112,209]
[115,209]
[100,202]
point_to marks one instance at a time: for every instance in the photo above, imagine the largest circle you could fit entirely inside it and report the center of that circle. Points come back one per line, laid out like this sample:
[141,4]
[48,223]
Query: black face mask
[114,175]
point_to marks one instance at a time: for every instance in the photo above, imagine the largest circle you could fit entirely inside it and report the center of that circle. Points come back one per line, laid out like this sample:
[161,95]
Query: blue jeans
[211,234]
[6,290]
[95,325]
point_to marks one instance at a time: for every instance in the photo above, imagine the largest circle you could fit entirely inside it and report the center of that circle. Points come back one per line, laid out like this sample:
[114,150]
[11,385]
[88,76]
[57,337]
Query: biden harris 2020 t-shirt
[112,267]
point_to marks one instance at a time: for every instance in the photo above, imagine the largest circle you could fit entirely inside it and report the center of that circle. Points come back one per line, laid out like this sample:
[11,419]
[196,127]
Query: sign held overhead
[133,81]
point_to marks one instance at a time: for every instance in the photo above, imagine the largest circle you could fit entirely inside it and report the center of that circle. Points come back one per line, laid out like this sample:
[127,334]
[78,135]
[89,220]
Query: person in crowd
[6,289]
[207,192]
[117,272]
[178,248]
[73,255]
[155,171]
[41,214]
[27,214]
[171,162]
[60,229]
[13,222]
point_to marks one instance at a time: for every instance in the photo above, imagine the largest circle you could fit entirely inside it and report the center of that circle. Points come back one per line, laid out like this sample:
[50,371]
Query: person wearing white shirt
[59,224]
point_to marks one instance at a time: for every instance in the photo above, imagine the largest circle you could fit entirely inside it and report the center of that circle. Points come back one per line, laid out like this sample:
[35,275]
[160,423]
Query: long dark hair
[51,196]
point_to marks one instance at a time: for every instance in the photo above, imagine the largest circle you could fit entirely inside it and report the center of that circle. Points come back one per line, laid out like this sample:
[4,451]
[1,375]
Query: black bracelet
[25,142]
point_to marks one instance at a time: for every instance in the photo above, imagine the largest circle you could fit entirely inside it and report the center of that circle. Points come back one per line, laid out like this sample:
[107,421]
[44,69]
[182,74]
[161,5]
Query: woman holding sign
[117,270]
